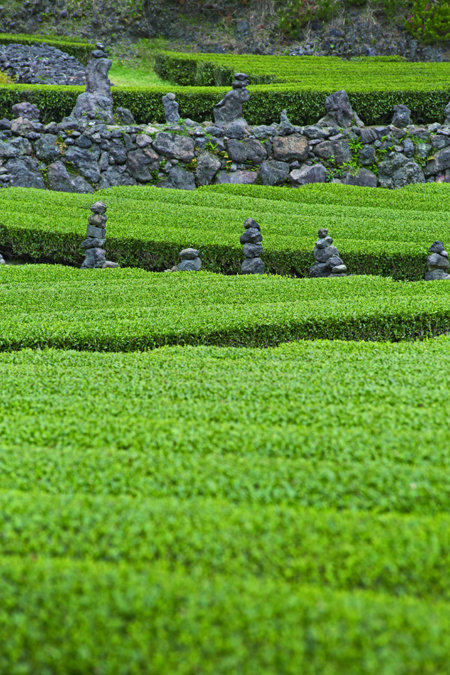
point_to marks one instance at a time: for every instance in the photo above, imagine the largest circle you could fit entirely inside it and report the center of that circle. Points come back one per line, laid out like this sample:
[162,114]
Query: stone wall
[82,155]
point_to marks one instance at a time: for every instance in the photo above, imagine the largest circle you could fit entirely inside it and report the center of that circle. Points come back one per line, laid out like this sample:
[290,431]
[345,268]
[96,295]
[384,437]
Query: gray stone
[439,141]
[124,116]
[229,109]
[250,222]
[339,269]
[315,132]
[363,178]
[142,140]
[46,148]
[402,116]
[408,147]
[274,172]
[189,254]
[26,110]
[436,247]
[113,177]
[367,155]
[142,162]
[86,161]
[2,260]
[237,129]
[323,232]
[117,151]
[436,275]
[99,208]
[96,102]
[25,172]
[253,250]
[95,258]
[439,163]
[179,179]
[97,232]
[251,236]
[237,177]
[288,148]
[83,142]
[190,265]
[92,242]
[80,185]
[447,114]
[248,150]
[339,149]
[170,108]
[438,261]
[8,150]
[324,254]
[319,270]
[339,111]
[286,127]
[207,167]
[324,241]
[174,147]
[367,135]
[252,266]
[308,174]
[263,131]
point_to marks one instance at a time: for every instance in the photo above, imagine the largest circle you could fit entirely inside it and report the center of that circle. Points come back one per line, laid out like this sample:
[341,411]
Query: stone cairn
[253,249]
[96,102]
[328,262]
[229,109]
[190,261]
[95,255]
[437,262]
[170,108]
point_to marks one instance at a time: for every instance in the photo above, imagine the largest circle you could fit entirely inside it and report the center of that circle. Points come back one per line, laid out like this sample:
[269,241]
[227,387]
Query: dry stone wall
[83,155]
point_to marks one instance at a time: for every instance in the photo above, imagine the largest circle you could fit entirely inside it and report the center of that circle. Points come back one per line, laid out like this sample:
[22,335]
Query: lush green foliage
[217,510]
[427,20]
[376,231]
[127,309]
[299,84]
[82,50]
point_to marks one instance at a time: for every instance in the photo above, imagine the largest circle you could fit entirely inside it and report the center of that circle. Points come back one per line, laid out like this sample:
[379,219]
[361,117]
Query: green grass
[123,74]
[376,231]
[210,510]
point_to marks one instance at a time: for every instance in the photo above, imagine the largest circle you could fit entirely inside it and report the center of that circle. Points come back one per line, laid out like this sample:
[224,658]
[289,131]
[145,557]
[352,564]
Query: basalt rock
[229,109]
[339,112]
[402,116]
[95,255]
[170,108]
[190,261]
[437,262]
[96,102]
[251,239]
[328,262]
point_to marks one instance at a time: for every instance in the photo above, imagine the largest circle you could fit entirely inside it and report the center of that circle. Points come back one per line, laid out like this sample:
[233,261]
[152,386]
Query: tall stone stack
[251,239]
[229,110]
[170,108]
[95,255]
[96,102]
[328,262]
[438,263]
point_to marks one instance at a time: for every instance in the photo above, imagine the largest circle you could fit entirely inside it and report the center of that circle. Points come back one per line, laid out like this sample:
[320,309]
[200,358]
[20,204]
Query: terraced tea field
[376,231]
[211,473]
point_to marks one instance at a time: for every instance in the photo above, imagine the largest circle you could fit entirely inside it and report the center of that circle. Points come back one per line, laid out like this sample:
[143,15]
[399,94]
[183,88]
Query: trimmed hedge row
[392,553]
[96,618]
[129,310]
[304,106]
[376,231]
[81,50]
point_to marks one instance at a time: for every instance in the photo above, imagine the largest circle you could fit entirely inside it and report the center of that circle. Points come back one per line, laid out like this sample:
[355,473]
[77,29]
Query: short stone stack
[438,263]
[251,239]
[190,261]
[95,256]
[328,262]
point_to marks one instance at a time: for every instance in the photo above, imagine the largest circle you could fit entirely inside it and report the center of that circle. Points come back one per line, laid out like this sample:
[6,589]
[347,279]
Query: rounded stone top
[251,223]
[323,232]
[189,254]
[170,96]
[436,247]
[100,45]
[241,76]
[98,207]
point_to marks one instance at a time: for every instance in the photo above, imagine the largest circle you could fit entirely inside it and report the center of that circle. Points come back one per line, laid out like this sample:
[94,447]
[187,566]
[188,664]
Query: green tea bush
[129,310]
[376,231]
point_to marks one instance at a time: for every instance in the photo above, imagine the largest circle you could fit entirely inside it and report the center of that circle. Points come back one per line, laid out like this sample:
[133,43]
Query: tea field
[208,473]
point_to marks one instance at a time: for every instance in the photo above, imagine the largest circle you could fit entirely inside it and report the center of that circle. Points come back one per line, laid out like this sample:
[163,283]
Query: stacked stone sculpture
[229,109]
[95,256]
[190,261]
[438,263]
[251,239]
[339,112]
[170,108]
[328,262]
[96,102]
